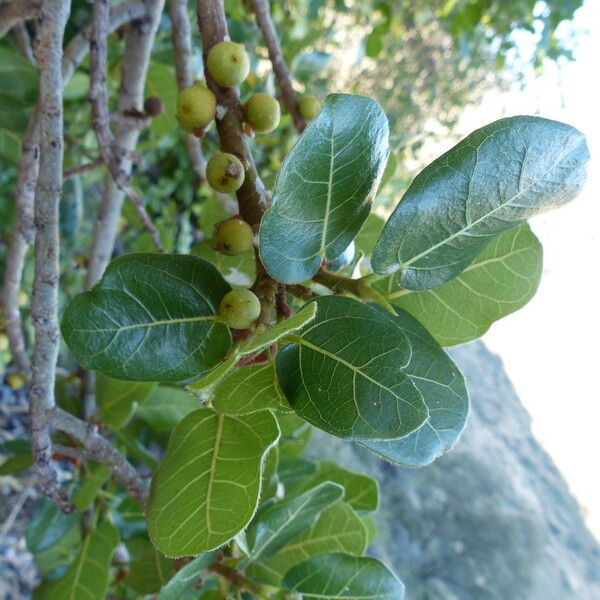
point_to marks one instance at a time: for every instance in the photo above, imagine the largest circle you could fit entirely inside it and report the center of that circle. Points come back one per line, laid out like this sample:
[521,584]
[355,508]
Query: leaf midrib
[151,324]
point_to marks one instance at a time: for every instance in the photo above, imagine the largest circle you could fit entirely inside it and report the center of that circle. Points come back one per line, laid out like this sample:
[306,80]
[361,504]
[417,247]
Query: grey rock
[493,519]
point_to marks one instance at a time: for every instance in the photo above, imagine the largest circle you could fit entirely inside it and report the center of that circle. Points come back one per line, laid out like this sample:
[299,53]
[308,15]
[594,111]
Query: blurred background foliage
[424,62]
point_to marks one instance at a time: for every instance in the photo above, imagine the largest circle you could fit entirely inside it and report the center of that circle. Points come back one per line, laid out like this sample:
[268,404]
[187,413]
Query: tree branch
[14,12]
[101,450]
[181,38]
[265,24]
[44,306]
[23,41]
[109,150]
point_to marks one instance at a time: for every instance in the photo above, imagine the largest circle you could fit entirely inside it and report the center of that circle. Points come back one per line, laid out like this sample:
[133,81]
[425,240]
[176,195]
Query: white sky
[551,347]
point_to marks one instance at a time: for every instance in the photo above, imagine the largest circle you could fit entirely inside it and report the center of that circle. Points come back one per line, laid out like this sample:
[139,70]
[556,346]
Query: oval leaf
[443,387]
[149,569]
[186,578]
[284,521]
[150,318]
[338,529]
[344,375]
[338,576]
[207,487]
[496,178]
[117,400]
[88,575]
[324,189]
[501,280]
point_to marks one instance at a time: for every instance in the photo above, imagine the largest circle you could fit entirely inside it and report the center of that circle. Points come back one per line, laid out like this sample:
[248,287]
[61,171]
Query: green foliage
[324,188]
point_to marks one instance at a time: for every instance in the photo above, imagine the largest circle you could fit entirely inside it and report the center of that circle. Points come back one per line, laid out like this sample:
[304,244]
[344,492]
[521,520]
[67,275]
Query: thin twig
[17,11]
[265,24]
[101,450]
[85,168]
[181,38]
[44,305]
[100,116]
[23,41]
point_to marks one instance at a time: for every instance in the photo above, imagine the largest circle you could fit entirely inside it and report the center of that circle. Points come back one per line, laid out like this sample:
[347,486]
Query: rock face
[491,520]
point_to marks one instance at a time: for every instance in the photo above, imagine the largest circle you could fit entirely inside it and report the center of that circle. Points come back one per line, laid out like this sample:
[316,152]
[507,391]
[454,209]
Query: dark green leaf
[344,374]
[206,489]
[339,576]
[99,474]
[149,569]
[324,189]
[496,178]
[150,318]
[443,388]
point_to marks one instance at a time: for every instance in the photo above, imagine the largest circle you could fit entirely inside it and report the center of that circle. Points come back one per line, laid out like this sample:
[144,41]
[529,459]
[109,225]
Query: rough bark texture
[265,24]
[136,58]
[13,13]
[44,305]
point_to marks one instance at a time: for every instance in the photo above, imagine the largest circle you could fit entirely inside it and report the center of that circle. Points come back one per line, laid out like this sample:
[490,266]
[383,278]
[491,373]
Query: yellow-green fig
[228,63]
[309,107]
[233,237]
[239,309]
[196,107]
[225,172]
[262,112]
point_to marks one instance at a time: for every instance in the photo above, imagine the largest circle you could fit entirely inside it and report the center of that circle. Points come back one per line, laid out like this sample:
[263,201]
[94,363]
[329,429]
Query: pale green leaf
[88,576]
[207,487]
[285,520]
[166,406]
[501,280]
[185,579]
[151,317]
[249,389]
[98,475]
[324,188]
[338,529]
[237,270]
[496,178]
[341,576]
[149,569]
[117,400]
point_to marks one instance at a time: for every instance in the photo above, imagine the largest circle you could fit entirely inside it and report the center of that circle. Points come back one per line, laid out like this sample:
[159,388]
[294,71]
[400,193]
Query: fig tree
[239,308]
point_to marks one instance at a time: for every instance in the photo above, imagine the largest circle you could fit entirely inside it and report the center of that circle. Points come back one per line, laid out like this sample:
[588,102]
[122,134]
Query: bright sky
[551,347]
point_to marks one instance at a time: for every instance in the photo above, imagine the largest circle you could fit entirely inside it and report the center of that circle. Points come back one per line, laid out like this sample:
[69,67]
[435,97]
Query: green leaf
[501,280]
[361,492]
[10,146]
[47,526]
[117,400]
[185,579]
[237,270]
[343,373]
[150,569]
[99,474]
[338,529]
[443,388]
[249,389]
[88,576]
[150,318]
[369,233]
[260,340]
[324,189]
[285,520]
[165,407]
[338,576]
[206,489]
[16,464]
[18,77]
[496,178]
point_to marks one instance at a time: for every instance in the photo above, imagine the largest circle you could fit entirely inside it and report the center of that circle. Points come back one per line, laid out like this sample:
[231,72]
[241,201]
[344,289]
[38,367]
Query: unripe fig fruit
[239,308]
[228,63]
[15,381]
[196,107]
[153,106]
[262,112]
[233,237]
[22,298]
[225,172]
[309,107]
[3,342]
